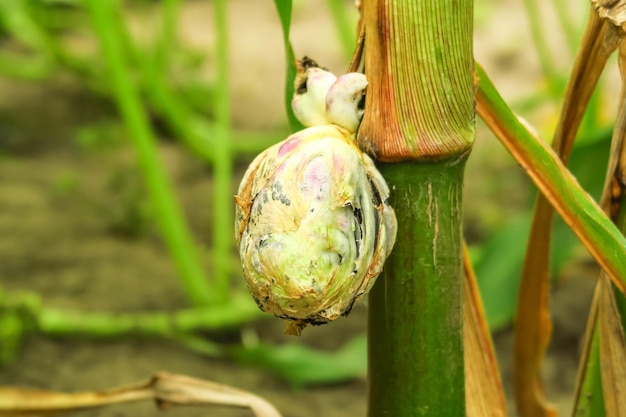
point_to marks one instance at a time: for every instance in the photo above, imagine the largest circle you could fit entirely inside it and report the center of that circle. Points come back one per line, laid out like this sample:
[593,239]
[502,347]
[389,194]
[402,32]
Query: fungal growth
[313,223]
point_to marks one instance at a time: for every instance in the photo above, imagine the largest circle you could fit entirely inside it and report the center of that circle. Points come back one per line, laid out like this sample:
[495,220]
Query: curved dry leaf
[613,10]
[597,233]
[612,351]
[615,182]
[484,396]
[533,328]
[164,388]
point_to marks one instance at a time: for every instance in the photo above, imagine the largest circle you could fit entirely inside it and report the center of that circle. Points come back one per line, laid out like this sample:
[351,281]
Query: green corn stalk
[419,120]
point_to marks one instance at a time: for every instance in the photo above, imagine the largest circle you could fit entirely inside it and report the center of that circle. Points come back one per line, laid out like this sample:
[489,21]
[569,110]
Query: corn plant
[430,351]
[419,124]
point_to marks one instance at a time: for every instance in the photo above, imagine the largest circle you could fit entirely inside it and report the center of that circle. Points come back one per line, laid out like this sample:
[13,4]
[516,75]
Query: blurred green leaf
[589,159]
[61,2]
[498,269]
[34,67]
[284,11]
[499,262]
[301,365]
[17,19]
[66,183]
[11,334]
[595,230]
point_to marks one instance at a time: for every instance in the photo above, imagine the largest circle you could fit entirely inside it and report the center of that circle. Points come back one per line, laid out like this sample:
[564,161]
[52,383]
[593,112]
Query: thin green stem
[55,322]
[167,39]
[223,163]
[168,213]
[16,19]
[194,131]
[153,81]
[19,22]
[284,12]
[568,27]
[541,46]
[415,311]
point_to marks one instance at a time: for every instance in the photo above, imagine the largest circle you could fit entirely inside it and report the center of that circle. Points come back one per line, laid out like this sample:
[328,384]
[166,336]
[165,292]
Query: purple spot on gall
[317,173]
[289,145]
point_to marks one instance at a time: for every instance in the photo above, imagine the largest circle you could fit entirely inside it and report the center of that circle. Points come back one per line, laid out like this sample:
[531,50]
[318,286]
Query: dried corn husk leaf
[484,396]
[612,351]
[164,388]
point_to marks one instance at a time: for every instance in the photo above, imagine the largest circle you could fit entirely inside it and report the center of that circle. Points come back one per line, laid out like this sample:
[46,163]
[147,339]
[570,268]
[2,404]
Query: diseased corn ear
[320,98]
[313,223]
[309,99]
[318,228]
[345,99]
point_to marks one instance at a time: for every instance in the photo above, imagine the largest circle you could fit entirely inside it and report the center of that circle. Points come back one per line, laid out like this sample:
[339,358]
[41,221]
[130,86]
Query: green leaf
[500,260]
[595,230]
[498,271]
[301,365]
[589,400]
[284,11]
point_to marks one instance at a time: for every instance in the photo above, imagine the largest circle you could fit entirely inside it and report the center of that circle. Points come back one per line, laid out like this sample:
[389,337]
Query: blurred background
[124,132]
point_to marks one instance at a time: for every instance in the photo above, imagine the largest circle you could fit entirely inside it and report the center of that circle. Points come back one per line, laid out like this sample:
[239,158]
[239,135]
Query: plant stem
[223,164]
[568,26]
[419,114]
[194,131]
[415,321]
[541,46]
[167,38]
[620,298]
[420,97]
[168,214]
[154,324]
[284,7]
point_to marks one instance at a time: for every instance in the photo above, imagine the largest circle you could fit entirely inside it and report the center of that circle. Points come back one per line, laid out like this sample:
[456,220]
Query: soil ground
[71,231]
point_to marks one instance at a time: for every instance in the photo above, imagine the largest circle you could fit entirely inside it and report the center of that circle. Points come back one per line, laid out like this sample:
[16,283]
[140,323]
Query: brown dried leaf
[612,351]
[484,396]
[533,327]
[30,402]
[615,183]
[614,10]
[165,389]
[603,309]
[600,39]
